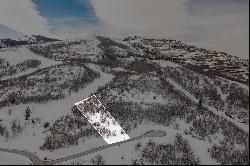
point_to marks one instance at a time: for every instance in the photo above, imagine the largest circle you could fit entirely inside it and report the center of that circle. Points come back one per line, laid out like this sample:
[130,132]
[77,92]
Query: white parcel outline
[117,129]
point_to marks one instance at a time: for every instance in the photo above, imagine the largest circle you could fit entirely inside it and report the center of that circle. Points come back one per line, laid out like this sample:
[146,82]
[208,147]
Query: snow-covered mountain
[198,97]
[6,32]
[11,38]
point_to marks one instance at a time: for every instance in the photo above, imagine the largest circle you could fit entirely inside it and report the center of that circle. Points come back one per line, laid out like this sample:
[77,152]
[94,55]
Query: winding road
[33,158]
[37,161]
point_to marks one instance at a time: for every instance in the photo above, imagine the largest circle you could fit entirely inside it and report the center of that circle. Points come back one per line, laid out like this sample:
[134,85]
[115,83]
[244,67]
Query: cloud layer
[139,15]
[222,25]
[23,16]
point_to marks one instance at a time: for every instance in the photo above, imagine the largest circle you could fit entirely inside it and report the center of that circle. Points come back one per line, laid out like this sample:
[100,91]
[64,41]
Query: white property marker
[101,119]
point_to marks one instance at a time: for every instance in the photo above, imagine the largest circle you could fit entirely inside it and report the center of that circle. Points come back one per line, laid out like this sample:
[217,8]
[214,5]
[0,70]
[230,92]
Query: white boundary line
[117,124]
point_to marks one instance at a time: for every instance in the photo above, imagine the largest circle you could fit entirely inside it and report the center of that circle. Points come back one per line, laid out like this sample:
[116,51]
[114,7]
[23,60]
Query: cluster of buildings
[184,54]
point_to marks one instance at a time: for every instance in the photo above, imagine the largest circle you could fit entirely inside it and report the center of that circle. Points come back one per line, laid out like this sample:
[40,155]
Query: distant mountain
[6,32]
[10,38]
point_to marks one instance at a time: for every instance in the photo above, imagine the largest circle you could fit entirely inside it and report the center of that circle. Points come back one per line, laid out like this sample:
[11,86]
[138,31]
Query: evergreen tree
[200,105]
[27,113]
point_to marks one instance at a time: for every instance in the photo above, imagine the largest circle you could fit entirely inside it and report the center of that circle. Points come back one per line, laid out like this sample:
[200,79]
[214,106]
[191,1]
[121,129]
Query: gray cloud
[221,25]
[139,15]
[23,16]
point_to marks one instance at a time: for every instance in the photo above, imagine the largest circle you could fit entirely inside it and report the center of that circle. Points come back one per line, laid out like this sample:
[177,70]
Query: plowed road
[37,161]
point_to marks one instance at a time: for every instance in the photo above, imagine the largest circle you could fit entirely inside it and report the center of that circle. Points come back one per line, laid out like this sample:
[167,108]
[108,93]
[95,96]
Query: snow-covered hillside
[12,38]
[198,97]
[13,62]
[6,32]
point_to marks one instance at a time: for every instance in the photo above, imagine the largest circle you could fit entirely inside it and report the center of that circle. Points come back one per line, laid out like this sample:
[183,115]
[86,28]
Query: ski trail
[243,127]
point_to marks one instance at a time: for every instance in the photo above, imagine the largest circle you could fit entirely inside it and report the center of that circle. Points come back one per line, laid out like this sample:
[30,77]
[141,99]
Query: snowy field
[13,159]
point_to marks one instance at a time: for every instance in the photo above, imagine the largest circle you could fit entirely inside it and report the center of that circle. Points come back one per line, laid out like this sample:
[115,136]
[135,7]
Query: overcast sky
[214,24]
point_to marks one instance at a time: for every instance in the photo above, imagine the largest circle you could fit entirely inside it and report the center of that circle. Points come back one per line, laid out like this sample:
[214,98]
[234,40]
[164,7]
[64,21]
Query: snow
[21,54]
[178,87]
[13,159]
[96,117]
[87,46]
[234,82]
[55,109]
[242,126]
[137,96]
[163,63]
[118,69]
[33,138]
[114,154]
[199,147]
[6,32]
